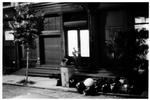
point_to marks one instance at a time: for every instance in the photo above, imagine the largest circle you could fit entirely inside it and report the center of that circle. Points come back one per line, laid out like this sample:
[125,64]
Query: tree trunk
[27,65]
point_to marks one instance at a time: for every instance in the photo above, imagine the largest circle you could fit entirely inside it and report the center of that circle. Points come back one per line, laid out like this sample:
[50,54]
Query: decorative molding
[75,23]
[54,32]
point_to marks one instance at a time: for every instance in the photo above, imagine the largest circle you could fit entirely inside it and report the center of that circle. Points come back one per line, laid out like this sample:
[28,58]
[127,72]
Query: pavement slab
[39,82]
[20,92]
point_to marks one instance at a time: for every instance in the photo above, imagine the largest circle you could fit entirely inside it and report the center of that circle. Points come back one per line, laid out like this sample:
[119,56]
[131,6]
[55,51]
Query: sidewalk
[50,83]
[39,82]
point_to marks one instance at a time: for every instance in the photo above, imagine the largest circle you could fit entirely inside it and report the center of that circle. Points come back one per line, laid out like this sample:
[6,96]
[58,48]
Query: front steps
[53,71]
[42,71]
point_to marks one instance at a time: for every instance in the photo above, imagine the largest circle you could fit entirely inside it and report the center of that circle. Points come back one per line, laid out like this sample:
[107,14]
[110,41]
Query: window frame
[140,23]
[79,41]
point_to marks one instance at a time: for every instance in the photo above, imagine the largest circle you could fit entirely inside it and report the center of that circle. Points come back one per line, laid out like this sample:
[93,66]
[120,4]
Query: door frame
[47,34]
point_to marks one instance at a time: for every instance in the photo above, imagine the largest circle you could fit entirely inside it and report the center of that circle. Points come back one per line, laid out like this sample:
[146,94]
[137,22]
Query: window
[72,41]
[141,23]
[84,38]
[9,36]
[78,40]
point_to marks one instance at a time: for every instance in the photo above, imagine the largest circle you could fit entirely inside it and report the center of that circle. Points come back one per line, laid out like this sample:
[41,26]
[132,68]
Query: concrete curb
[52,88]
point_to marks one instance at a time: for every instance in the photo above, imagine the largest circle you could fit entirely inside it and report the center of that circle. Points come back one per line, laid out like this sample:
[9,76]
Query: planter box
[66,73]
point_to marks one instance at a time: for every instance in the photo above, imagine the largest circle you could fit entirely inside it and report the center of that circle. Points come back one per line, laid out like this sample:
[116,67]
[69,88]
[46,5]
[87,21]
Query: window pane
[9,35]
[84,39]
[72,41]
[141,20]
[141,23]
[142,26]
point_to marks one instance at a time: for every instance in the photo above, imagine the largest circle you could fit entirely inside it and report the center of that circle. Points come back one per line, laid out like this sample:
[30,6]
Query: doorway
[50,50]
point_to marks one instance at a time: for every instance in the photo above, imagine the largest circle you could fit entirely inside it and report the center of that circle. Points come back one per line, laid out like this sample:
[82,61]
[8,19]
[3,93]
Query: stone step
[43,70]
[38,72]
[50,75]
[49,66]
[93,71]
[94,75]
[54,70]
[57,67]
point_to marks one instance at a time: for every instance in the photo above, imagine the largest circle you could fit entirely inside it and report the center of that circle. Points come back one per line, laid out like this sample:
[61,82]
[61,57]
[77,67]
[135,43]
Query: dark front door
[51,50]
[50,41]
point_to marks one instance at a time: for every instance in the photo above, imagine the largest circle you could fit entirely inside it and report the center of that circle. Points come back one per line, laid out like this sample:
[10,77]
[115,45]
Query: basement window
[78,40]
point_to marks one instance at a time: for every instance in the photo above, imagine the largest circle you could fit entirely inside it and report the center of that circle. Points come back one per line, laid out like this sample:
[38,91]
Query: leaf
[26,26]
